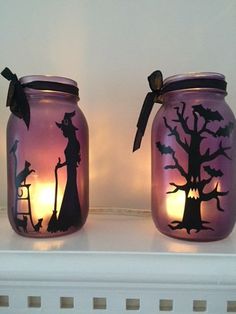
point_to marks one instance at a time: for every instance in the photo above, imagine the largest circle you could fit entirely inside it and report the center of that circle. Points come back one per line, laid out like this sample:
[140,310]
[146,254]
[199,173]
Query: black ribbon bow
[16,98]
[155,82]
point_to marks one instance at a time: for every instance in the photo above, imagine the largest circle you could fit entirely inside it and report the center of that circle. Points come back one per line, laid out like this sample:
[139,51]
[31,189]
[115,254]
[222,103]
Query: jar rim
[193,75]
[47,78]
[50,83]
[193,80]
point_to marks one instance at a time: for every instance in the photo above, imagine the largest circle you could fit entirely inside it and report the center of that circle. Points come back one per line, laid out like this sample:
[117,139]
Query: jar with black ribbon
[47,156]
[193,145]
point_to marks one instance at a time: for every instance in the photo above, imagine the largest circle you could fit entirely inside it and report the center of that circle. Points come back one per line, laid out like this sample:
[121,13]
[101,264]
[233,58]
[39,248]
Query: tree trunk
[192,214]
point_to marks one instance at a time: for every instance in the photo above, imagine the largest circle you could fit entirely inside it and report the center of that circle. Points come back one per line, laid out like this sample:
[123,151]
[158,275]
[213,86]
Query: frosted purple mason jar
[193,158]
[47,161]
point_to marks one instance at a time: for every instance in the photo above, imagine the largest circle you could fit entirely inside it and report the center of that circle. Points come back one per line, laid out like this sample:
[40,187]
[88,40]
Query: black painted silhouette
[20,186]
[53,223]
[70,211]
[38,225]
[21,223]
[14,147]
[13,151]
[195,184]
[23,174]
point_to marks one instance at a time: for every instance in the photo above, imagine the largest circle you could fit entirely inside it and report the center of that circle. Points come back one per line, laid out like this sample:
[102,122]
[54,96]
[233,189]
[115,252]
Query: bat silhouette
[208,114]
[225,131]
[213,172]
[164,149]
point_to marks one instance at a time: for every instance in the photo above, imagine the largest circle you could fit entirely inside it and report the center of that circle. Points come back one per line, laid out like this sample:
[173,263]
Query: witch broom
[53,223]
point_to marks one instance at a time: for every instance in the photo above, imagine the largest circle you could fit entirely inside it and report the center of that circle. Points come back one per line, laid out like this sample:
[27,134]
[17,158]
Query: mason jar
[193,159]
[47,160]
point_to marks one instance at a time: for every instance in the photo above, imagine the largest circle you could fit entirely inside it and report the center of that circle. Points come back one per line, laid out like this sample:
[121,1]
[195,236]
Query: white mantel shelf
[115,264]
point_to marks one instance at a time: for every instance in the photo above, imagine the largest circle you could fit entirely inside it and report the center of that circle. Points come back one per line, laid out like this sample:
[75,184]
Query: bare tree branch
[195,122]
[182,120]
[204,129]
[203,183]
[209,132]
[214,195]
[219,152]
[177,166]
[174,132]
[177,188]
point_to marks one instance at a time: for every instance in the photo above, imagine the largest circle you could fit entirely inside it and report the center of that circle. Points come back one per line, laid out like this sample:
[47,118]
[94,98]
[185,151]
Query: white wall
[110,47]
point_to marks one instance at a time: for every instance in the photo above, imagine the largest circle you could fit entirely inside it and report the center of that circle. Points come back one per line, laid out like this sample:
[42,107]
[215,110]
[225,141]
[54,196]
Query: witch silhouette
[70,211]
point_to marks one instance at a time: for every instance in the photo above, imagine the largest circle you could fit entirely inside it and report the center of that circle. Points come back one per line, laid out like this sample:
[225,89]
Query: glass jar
[48,192]
[193,159]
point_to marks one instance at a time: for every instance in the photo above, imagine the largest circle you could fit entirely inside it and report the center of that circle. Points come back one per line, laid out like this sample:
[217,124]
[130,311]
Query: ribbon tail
[137,140]
[155,81]
[143,118]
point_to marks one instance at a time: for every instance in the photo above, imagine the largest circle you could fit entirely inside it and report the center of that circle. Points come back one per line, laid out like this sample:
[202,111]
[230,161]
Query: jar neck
[206,83]
[50,84]
[195,80]
[49,94]
[196,93]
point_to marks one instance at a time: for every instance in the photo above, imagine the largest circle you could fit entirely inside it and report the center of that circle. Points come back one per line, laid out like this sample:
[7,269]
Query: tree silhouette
[195,185]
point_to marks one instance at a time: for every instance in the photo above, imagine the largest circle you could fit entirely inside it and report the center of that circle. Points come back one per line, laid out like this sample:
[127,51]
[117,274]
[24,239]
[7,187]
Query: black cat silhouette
[22,223]
[23,174]
[38,225]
